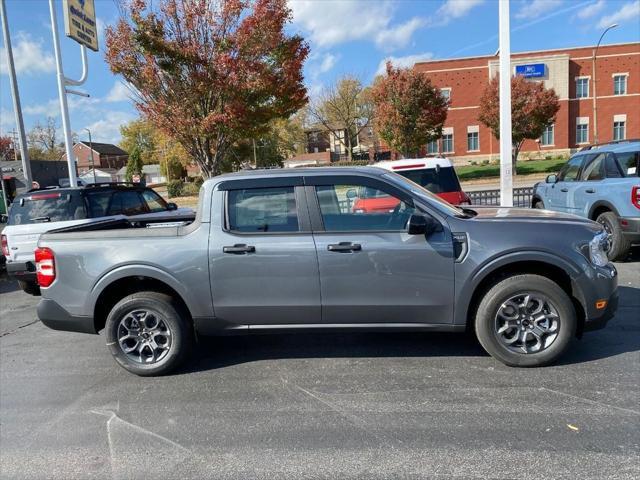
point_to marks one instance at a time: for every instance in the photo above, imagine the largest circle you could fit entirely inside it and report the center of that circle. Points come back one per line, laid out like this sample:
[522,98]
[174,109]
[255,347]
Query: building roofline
[476,57]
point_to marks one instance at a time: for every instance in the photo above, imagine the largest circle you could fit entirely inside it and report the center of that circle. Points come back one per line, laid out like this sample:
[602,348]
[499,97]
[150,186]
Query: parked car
[600,183]
[37,211]
[279,250]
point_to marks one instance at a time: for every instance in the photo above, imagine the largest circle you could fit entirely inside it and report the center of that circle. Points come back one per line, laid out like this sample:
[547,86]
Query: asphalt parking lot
[367,406]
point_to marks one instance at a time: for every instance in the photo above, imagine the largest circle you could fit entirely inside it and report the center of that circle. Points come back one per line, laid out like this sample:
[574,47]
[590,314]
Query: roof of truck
[298,172]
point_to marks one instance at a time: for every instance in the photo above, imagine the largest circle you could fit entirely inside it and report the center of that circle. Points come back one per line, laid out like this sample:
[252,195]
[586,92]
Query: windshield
[424,194]
[436,181]
[39,207]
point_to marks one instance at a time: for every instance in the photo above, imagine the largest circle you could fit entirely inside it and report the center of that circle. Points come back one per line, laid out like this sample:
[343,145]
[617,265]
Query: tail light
[5,245]
[635,199]
[45,266]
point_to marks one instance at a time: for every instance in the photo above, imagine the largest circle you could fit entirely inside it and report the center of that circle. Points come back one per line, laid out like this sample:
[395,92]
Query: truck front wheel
[148,333]
[525,321]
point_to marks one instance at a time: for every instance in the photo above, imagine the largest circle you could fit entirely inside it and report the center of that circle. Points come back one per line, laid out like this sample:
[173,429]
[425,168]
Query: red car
[435,174]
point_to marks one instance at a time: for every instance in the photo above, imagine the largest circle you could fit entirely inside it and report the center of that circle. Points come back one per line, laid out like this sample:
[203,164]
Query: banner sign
[531,71]
[80,22]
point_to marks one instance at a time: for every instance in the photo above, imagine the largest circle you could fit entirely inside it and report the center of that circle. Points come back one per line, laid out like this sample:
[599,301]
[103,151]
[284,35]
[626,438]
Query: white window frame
[434,142]
[588,79]
[621,124]
[553,136]
[448,90]
[473,129]
[624,75]
[582,121]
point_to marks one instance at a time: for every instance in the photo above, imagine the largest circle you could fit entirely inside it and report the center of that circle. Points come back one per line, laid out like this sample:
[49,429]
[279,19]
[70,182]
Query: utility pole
[506,163]
[595,91]
[26,166]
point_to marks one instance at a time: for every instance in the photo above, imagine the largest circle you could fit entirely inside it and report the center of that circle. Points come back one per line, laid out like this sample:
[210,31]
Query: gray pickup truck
[285,250]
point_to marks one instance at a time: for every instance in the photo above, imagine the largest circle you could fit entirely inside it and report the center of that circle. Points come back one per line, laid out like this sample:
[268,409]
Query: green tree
[134,165]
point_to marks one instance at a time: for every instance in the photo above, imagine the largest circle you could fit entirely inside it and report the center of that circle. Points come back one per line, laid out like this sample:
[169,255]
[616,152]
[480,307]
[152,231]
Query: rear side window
[267,210]
[443,181]
[629,163]
[127,202]
[40,207]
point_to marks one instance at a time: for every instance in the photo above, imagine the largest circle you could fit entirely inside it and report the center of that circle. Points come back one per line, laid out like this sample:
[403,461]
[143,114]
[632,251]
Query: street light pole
[93,167]
[506,161]
[595,90]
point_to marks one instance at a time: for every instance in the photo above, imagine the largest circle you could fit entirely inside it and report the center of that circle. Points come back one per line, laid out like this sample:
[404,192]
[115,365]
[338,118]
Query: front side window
[447,143]
[595,168]
[547,136]
[154,201]
[619,84]
[569,171]
[361,208]
[619,130]
[265,210]
[473,141]
[582,87]
[582,133]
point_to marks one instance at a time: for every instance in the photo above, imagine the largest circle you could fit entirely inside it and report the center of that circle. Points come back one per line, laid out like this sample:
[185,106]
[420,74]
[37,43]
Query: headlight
[598,248]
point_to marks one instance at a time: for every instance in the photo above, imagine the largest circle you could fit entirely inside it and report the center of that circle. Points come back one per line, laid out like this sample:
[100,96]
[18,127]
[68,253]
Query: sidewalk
[493,183]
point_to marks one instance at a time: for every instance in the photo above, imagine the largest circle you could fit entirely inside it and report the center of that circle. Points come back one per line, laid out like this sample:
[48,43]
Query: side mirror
[352,193]
[552,178]
[422,225]
[172,206]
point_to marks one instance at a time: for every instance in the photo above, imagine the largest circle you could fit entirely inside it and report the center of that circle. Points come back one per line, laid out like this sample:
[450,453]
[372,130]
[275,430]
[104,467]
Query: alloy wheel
[527,323]
[144,337]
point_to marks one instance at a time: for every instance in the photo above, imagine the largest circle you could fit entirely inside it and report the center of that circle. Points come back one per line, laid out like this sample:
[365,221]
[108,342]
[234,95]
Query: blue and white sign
[531,71]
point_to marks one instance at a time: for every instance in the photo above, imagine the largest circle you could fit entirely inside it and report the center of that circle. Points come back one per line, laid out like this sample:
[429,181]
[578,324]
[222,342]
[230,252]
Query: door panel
[388,276]
[562,193]
[264,277]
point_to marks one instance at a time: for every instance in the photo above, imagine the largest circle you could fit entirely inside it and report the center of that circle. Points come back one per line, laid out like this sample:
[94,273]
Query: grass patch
[471,172]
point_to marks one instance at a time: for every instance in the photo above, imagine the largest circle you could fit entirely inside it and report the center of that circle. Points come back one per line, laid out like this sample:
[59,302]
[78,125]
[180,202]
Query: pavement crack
[19,328]
[588,400]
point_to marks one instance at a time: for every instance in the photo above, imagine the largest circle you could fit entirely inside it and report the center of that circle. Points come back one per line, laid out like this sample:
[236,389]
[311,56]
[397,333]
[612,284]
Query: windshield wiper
[41,219]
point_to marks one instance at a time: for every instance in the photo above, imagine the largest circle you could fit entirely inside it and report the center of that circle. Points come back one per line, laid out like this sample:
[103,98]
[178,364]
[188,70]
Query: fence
[521,197]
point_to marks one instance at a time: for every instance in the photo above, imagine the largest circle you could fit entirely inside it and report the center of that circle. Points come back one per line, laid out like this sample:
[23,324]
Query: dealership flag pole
[506,173]
[24,154]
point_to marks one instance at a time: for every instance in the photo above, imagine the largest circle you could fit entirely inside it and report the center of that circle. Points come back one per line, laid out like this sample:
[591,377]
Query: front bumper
[57,318]
[596,285]
[630,228]
[25,271]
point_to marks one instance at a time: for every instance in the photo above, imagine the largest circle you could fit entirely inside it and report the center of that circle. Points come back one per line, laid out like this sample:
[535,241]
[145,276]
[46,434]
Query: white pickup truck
[38,211]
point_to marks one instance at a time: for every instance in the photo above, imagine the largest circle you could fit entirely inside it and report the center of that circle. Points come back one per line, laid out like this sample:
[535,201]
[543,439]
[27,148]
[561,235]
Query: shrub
[189,189]
[174,188]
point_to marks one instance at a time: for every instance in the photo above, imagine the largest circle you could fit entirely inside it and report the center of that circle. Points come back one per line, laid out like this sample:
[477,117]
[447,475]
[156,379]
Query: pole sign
[80,22]
[534,70]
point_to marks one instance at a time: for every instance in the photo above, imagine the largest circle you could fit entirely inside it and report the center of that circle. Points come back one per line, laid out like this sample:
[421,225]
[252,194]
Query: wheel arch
[119,283]
[546,265]
[601,206]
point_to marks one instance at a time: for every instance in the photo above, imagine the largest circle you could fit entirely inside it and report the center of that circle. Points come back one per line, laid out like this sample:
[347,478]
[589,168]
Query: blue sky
[346,36]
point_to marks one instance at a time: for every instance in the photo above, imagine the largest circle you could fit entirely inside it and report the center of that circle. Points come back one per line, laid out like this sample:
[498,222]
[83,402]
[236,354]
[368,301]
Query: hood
[526,215]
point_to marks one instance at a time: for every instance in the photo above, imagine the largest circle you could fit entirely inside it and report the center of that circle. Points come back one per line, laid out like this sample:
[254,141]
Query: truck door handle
[239,249]
[590,190]
[344,247]
[564,189]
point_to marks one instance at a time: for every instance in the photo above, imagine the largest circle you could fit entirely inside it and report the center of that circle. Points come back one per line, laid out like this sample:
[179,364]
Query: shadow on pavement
[621,335]
[6,285]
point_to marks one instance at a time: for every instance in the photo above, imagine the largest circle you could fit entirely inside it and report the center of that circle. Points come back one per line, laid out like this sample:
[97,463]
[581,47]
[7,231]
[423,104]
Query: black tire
[496,298]
[537,203]
[167,312]
[32,288]
[619,244]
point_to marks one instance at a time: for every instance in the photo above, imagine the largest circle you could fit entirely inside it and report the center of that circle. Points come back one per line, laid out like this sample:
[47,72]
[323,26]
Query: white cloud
[402,62]
[536,8]
[50,108]
[453,9]
[28,56]
[591,10]
[7,120]
[332,22]
[328,62]
[628,11]
[120,92]
[107,129]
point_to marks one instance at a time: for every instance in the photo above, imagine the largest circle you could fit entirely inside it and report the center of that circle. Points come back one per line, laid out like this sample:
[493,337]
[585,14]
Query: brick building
[569,73]
[105,155]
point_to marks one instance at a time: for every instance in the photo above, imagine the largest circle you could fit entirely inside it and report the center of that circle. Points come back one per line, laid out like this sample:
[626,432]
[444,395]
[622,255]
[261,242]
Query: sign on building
[80,22]
[533,70]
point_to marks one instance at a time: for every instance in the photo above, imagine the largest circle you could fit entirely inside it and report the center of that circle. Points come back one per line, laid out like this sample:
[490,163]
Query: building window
[619,84]
[473,141]
[582,133]
[447,143]
[618,130]
[446,93]
[547,136]
[432,147]
[582,87]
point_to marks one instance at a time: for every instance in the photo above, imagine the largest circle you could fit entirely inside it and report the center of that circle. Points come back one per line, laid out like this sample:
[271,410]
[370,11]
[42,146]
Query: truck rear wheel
[619,244]
[525,321]
[148,333]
